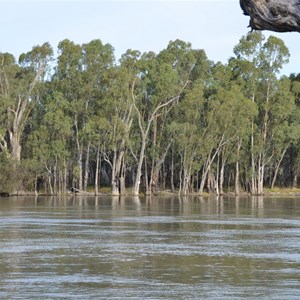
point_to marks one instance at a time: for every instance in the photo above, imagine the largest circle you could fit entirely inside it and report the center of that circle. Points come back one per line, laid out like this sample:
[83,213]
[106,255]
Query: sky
[213,25]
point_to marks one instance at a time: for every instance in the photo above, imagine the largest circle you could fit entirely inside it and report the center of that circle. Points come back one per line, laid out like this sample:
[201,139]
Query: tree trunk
[50,189]
[206,169]
[147,185]
[86,171]
[221,177]
[36,185]
[186,181]
[79,164]
[65,178]
[55,188]
[172,172]
[277,167]
[117,169]
[156,166]
[118,158]
[186,163]
[17,116]
[122,179]
[98,163]
[237,170]
[260,175]
[79,156]
[15,146]
[237,178]
[295,180]
[180,175]
[274,15]
[136,187]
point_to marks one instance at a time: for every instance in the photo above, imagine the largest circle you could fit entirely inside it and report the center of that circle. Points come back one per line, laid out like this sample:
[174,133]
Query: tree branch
[274,15]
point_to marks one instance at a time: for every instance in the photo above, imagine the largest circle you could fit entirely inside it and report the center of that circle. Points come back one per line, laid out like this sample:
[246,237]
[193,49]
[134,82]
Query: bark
[295,180]
[55,176]
[65,178]
[237,170]
[277,167]
[117,167]
[186,181]
[136,187]
[122,179]
[204,174]
[156,166]
[172,172]
[98,163]
[221,176]
[273,15]
[79,156]
[86,168]
[50,189]
[147,184]
[187,163]
[206,168]
[114,180]
[180,175]
[117,180]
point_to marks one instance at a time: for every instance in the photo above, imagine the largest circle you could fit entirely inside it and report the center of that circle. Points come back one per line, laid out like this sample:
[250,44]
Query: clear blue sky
[215,26]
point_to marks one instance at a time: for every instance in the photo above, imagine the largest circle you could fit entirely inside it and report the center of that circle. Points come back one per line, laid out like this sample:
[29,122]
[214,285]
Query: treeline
[149,122]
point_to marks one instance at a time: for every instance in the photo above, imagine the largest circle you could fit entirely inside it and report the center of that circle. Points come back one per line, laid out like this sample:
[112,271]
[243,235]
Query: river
[149,248]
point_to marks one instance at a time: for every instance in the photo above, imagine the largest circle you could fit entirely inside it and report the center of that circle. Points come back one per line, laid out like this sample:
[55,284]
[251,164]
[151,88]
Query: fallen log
[4,194]
[74,190]
[273,15]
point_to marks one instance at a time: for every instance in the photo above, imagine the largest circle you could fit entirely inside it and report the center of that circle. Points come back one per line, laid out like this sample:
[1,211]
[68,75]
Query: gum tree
[18,82]
[258,63]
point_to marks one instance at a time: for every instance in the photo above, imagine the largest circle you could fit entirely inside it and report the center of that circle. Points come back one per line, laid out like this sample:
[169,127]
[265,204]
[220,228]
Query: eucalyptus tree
[160,85]
[187,125]
[119,117]
[81,76]
[68,81]
[291,133]
[149,106]
[185,65]
[285,129]
[187,131]
[9,69]
[49,149]
[97,62]
[18,82]
[97,132]
[229,115]
[260,62]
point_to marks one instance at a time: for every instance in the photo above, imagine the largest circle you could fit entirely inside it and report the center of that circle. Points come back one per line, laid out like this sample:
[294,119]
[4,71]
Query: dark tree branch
[274,15]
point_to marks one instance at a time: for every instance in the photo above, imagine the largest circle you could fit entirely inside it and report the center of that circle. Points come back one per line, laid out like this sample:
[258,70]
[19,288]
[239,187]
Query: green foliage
[8,174]
[174,112]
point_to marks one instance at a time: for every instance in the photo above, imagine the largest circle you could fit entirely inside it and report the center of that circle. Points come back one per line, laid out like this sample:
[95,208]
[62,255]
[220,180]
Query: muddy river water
[149,248]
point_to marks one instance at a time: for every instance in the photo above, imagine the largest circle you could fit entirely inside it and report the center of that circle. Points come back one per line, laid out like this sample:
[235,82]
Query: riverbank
[275,192]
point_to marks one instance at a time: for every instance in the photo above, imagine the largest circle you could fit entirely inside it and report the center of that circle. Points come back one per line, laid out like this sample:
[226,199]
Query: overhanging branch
[274,15]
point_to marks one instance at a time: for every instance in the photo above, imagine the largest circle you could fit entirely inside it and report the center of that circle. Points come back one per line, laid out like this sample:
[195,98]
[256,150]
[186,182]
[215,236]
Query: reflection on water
[155,248]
